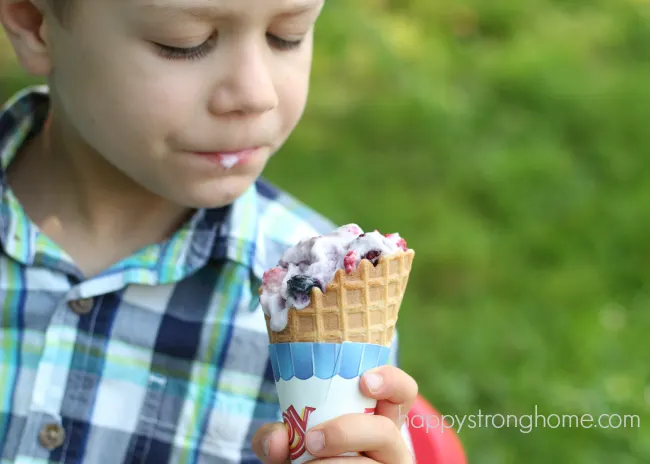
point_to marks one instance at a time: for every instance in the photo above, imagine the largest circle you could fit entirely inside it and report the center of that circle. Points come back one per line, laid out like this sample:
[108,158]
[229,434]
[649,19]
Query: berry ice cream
[314,262]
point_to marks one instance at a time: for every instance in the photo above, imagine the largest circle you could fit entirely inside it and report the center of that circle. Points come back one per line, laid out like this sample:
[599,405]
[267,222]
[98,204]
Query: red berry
[349,261]
[402,244]
[273,277]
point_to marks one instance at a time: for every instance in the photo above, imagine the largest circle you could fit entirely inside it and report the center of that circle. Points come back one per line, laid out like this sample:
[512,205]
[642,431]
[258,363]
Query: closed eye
[200,51]
[283,44]
[186,53]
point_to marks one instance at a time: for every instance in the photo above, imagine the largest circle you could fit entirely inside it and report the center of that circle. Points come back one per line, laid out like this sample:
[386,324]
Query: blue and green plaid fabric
[170,363]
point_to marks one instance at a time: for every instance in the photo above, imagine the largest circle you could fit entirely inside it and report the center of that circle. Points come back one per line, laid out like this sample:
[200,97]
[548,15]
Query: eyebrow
[215,11]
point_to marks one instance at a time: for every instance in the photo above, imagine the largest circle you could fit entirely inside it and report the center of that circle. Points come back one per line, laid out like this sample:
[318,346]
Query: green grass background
[508,141]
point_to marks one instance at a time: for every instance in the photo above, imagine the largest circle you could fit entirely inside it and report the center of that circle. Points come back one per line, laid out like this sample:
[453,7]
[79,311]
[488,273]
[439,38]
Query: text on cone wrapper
[297,425]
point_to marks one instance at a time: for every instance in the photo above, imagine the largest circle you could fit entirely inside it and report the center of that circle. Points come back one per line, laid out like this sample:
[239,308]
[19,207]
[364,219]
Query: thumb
[271,443]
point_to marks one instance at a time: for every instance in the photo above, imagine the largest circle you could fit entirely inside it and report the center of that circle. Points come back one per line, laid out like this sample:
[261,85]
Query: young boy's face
[147,84]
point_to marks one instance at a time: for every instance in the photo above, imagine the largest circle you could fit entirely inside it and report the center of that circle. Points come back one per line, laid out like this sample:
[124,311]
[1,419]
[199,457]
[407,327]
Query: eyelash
[200,51]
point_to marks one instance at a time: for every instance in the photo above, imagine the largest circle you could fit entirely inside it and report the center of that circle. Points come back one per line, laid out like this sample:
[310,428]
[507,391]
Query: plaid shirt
[161,358]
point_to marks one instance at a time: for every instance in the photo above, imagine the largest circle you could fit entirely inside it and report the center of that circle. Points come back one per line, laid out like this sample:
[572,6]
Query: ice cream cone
[362,306]
[320,356]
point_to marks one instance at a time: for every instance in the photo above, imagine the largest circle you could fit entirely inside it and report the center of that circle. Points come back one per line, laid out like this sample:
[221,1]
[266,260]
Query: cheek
[123,90]
[136,115]
[156,104]
[293,97]
[158,108]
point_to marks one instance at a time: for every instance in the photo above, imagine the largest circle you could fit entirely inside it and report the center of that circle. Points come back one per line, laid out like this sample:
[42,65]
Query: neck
[64,185]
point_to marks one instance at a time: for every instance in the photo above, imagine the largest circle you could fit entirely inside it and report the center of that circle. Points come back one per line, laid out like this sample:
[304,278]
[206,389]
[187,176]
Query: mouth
[229,158]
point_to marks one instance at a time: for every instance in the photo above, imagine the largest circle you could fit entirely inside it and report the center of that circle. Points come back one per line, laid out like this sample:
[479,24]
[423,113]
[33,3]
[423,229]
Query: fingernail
[267,446]
[315,441]
[374,381]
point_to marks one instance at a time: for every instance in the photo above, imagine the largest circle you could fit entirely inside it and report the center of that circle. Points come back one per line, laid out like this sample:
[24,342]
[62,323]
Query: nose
[246,85]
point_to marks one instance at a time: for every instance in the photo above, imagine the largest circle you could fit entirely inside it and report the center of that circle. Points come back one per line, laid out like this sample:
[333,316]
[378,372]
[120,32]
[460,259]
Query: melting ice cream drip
[228,161]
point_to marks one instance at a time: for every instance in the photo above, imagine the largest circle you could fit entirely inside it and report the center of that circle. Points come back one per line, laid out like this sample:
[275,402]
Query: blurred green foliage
[507,141]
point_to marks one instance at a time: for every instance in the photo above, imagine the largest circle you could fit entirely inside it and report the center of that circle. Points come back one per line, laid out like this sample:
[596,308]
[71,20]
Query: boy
[135,228]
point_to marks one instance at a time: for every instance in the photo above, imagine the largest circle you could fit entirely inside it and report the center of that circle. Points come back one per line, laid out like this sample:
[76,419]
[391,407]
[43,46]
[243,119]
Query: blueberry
[301,284]
[372,256]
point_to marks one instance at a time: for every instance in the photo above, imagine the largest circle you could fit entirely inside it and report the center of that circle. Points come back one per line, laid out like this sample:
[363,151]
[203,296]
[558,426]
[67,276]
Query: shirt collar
[20,117]
[240,238]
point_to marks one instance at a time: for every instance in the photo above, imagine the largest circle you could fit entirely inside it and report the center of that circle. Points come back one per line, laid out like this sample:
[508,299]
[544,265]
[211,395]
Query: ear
[27,31]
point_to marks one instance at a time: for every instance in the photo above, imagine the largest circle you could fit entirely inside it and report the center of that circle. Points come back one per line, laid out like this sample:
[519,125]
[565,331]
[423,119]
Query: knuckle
[385,426]
[337,434]
[259,435]
[407,381]
[411,386]
[415,388]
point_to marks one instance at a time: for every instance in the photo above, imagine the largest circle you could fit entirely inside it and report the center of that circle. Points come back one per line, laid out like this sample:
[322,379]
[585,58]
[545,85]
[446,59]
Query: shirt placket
[44,429]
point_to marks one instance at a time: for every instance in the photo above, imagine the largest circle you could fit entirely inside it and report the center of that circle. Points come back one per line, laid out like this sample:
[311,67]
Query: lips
[229,158]
[237,152]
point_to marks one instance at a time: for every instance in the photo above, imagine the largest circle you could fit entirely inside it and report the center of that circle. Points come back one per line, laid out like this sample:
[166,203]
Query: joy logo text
[297,425]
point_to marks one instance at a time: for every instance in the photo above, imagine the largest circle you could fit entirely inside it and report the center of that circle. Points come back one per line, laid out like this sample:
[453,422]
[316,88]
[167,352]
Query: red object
[433,446]
[349,260]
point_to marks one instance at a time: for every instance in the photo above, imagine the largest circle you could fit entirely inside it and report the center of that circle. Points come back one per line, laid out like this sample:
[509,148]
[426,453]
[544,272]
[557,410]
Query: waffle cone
[362,306]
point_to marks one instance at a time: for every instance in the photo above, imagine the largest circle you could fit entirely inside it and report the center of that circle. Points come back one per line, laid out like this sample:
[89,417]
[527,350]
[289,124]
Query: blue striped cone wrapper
[317,382]
[325,347]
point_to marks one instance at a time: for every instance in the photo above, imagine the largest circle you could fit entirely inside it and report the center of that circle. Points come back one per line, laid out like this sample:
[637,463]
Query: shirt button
[82,306]
[51,436]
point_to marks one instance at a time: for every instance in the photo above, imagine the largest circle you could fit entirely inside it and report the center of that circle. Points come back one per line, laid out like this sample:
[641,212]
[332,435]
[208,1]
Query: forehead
[225,8]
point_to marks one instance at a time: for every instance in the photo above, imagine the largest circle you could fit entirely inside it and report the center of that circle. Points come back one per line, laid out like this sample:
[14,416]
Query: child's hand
[376,436]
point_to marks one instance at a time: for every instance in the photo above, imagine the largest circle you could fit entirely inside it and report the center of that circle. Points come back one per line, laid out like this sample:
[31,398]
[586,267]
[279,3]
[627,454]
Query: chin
[216,194]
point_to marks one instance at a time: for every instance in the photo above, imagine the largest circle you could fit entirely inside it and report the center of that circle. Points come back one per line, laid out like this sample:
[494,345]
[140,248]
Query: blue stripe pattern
[305,360]
[171,362]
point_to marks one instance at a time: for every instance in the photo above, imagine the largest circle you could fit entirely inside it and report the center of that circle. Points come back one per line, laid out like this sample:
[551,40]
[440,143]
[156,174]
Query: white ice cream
[314,261]
[228,161]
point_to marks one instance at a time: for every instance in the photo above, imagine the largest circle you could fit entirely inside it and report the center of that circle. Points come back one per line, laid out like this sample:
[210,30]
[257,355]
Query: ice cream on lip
[313,263]
[228,159]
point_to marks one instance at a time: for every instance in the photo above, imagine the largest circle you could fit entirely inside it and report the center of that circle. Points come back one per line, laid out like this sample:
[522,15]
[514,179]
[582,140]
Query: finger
[271,443]
[375,436]
[394,390]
